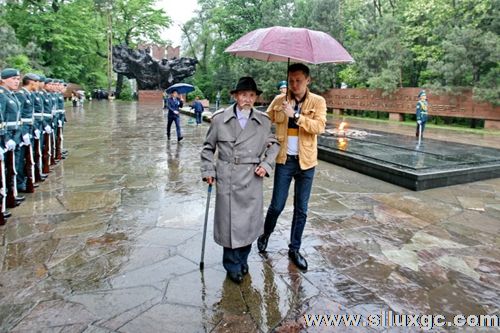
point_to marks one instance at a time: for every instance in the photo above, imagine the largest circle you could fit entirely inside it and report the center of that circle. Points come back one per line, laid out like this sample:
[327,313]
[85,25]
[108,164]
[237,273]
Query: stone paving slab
[111,242]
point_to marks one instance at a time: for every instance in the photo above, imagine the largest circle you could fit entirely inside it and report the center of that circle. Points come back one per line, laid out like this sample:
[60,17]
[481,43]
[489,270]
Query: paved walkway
[111,243]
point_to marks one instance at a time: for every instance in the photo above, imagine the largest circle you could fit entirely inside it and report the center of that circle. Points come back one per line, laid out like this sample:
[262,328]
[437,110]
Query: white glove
[37,134]
[26,139]
[1,154]
[419,122]
[59,123]
[10,145]
[48,129]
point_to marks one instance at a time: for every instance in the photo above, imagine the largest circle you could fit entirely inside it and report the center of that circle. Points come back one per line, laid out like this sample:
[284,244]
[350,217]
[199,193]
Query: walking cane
[205,226]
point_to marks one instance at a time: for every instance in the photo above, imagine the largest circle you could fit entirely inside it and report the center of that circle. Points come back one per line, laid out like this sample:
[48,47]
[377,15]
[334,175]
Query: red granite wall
[405,99]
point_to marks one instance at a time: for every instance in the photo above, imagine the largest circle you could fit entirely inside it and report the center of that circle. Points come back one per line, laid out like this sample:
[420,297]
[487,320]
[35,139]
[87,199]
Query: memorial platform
[405,161]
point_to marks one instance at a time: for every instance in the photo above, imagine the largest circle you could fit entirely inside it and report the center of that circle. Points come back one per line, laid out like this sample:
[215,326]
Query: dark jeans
[198,117]
[302,191]
[233,259]
[177,121]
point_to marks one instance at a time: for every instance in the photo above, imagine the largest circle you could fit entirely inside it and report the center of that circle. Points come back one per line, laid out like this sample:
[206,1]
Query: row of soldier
[31,133]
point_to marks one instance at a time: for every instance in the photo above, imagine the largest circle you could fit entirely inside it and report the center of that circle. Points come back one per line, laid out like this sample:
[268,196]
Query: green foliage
[126,93]
[137,21]
[197,92]
[20,62]
[404,43]
[10,44]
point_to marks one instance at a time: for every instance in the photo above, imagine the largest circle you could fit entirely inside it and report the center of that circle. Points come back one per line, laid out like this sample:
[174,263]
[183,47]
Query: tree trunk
[119,85]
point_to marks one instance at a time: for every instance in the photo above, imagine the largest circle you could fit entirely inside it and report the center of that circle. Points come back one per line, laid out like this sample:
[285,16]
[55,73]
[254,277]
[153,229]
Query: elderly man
[246,150]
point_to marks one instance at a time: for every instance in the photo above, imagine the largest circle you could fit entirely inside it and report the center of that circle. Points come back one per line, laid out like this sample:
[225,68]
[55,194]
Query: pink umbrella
[290,44]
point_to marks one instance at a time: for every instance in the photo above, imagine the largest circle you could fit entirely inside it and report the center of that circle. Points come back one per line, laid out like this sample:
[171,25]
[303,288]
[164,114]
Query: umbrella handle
[287,75]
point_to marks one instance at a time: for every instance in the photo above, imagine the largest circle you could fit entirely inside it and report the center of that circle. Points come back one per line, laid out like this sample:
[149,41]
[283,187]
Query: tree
[135,22]
[67,45]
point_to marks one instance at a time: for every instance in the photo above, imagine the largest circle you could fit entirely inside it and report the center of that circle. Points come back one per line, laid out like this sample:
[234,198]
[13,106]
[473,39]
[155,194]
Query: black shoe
[262,242]
[7,214]
[20,198]
[236,277]
[36,185]
[298,259]
[179,139]
[244,269]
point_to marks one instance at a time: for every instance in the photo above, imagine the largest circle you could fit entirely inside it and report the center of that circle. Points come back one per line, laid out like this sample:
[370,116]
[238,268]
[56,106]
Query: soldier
[4,213]
[60,119]
[51,87]
[282,87]
[10,82]
[38,129]
[25,159]
[421,113]
[47,126]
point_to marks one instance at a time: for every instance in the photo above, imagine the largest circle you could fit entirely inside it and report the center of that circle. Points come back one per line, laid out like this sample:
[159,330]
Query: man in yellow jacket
[299,117]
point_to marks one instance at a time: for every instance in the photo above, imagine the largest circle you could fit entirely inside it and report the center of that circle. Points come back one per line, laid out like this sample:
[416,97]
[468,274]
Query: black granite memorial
[149,73]
[403,161]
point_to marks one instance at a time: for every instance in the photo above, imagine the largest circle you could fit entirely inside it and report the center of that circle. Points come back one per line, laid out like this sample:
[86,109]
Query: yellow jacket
[311,123]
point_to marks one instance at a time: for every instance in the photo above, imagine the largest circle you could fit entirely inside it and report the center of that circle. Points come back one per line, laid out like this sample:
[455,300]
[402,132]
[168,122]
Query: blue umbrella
[181,88]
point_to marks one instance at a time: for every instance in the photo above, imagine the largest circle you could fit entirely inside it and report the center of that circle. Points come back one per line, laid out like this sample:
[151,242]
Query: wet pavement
[111,241]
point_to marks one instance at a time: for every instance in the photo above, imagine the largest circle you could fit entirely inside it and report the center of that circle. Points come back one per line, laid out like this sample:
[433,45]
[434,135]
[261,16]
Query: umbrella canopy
[290,44]
[182,88]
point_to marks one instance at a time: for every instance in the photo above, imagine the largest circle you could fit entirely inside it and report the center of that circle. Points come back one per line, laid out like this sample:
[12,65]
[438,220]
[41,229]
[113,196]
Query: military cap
[42,77]
[282,84]
[48,80]
[422,92]
[10,72]
[32,77]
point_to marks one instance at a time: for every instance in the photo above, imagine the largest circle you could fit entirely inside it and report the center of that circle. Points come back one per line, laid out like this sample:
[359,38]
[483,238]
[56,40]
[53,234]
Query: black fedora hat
[246,83]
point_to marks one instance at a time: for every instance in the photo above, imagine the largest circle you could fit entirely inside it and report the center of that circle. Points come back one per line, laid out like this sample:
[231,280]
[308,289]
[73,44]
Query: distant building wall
[159,52]
[403,101]
[150,96]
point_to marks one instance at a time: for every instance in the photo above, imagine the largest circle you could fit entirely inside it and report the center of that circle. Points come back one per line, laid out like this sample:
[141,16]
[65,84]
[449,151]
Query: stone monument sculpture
[151,74]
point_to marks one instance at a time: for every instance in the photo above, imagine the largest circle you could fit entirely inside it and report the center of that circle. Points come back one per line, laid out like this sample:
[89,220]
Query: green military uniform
[47,122]
[59,122]
[12,137]
[3,190]
[38,130]
[27,100]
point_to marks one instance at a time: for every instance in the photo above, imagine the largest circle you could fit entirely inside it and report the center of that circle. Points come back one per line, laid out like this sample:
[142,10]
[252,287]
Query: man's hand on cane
[209,180]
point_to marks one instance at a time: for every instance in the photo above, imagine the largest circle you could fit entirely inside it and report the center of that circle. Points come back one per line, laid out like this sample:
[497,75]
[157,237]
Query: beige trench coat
[239,207]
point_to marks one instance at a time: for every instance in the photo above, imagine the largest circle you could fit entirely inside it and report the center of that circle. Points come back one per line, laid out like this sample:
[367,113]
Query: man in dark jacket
[198,109]
[174,103]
